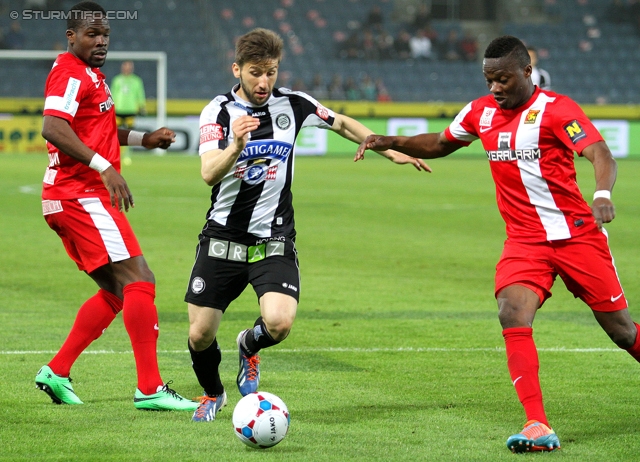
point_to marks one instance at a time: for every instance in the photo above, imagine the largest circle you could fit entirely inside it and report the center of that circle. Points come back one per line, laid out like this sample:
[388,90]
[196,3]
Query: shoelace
[166,389]
[201,411]
[253,362]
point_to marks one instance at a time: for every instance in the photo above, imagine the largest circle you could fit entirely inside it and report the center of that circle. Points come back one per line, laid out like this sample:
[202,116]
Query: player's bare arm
[423,146]
[354,131]
[59,133]
[606,170]
[215,164]
[161,138]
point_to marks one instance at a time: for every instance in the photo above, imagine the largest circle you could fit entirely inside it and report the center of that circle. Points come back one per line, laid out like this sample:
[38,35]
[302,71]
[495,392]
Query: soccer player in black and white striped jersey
[247,139]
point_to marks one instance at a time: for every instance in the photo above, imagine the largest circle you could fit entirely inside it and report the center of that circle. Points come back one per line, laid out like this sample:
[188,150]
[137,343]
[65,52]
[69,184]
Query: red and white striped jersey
[79,94]
[530,150]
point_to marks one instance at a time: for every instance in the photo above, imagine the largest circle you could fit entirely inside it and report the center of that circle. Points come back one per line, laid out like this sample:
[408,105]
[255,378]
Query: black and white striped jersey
[255,196]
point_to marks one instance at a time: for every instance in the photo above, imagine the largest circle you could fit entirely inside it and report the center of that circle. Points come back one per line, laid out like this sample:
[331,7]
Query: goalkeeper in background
[127,91]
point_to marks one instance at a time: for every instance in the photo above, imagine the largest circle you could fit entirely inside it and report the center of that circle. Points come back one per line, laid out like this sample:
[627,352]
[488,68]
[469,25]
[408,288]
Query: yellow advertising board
[21,134]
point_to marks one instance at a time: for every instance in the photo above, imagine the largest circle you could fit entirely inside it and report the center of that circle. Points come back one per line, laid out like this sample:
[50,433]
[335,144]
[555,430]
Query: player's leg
[205,359]
[276,281]
[523,279]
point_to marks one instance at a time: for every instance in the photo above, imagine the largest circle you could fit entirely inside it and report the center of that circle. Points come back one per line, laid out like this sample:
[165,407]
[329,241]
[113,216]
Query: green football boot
[165,399]
[58,388]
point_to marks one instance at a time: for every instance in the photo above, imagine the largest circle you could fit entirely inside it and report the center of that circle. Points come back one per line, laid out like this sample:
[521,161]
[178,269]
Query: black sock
[257,338]
[205,364]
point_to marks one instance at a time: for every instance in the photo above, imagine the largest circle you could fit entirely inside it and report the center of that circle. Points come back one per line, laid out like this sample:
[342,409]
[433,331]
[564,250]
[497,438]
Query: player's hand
[162,138]
[118,189]
[603,211]
[241,127]
[401,159]
[375,143]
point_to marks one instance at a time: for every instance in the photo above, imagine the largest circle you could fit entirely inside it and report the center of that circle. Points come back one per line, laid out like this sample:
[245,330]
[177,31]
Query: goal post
[160,57]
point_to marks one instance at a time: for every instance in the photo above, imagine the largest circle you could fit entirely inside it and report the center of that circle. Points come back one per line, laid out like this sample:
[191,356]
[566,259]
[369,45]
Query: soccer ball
[261,420]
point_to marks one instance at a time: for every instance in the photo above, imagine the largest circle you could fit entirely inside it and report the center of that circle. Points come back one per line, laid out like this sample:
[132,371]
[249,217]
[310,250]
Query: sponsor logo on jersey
[322,112]
[211,132]
[575,131]
[106,105]
[501,155]
[70,93]
[259,114]
[283,122]
[266,149]
[256,173]
[531,116]
[487,118]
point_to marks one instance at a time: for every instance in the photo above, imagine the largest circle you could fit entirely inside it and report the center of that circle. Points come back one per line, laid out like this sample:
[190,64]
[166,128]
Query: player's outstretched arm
[354,131]
[423,146]
[162,138]
[59,133]
[215,164]
[606,171]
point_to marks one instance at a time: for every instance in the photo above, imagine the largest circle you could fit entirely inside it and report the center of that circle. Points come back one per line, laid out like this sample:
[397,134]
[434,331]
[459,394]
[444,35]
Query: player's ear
[236,70]
[71,35]
[527,71]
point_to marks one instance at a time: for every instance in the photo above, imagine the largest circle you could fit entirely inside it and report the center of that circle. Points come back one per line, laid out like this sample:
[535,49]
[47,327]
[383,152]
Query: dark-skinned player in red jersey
[83,200]
[530,136]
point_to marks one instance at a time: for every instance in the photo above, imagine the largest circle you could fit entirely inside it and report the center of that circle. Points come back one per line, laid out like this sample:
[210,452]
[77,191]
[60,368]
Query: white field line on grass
[339,350]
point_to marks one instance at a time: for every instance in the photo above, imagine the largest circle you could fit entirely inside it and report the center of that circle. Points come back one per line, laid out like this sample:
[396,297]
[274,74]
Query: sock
[257,338]
[635,349]
[94,316]
[205,364]
[522,360]
[141,321]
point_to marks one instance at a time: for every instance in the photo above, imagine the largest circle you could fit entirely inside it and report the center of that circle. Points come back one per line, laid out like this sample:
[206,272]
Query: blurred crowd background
[374,50]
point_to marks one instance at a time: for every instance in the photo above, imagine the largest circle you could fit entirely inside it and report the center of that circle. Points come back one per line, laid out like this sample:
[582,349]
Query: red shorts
[93,232]
[584,263]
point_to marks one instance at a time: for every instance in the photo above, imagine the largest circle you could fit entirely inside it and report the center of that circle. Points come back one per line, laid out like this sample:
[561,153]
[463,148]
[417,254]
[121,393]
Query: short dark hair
[507,45]
[258,46]
[78,14]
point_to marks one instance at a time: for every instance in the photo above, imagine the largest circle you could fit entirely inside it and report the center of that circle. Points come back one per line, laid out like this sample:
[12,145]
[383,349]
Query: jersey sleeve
[572,126]
[314,113]
[462,130]
[213,129]
[63,93]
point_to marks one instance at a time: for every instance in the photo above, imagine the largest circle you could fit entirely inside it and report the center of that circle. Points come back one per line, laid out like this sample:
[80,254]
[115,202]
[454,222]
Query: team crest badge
[531,116]
[283,121]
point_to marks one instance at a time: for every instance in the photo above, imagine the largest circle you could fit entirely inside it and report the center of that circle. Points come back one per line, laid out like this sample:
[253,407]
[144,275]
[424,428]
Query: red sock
[141,321]
[522,360]
[94,316]
[635,349]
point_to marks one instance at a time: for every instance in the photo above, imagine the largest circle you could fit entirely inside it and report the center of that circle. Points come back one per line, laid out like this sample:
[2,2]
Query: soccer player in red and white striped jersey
[530,136]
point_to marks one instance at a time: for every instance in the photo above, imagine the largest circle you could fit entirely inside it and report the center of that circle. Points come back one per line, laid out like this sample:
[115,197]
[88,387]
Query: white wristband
[135,138]
[602,193]
[99,163]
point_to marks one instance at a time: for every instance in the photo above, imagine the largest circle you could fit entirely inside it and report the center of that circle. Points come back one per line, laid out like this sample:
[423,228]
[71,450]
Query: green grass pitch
[396,353]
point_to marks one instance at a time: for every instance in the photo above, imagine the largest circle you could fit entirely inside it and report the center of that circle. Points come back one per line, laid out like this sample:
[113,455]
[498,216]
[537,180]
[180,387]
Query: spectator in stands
[368,88]
[375,19]
[422,18]
[3,45]
[384,42]
[298,85]
[318,89]
[368,45]
[450,48]
[469,47]
[421,47]
[383,93]
[336,88]
[402,45]
[15,39]
[351,90]
[539,77]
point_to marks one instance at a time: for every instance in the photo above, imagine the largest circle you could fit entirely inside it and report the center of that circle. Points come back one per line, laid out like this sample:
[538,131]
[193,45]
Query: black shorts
[223,269]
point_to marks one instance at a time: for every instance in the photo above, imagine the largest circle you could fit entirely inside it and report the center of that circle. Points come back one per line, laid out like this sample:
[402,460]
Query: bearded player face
[91,40]
[257,80]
